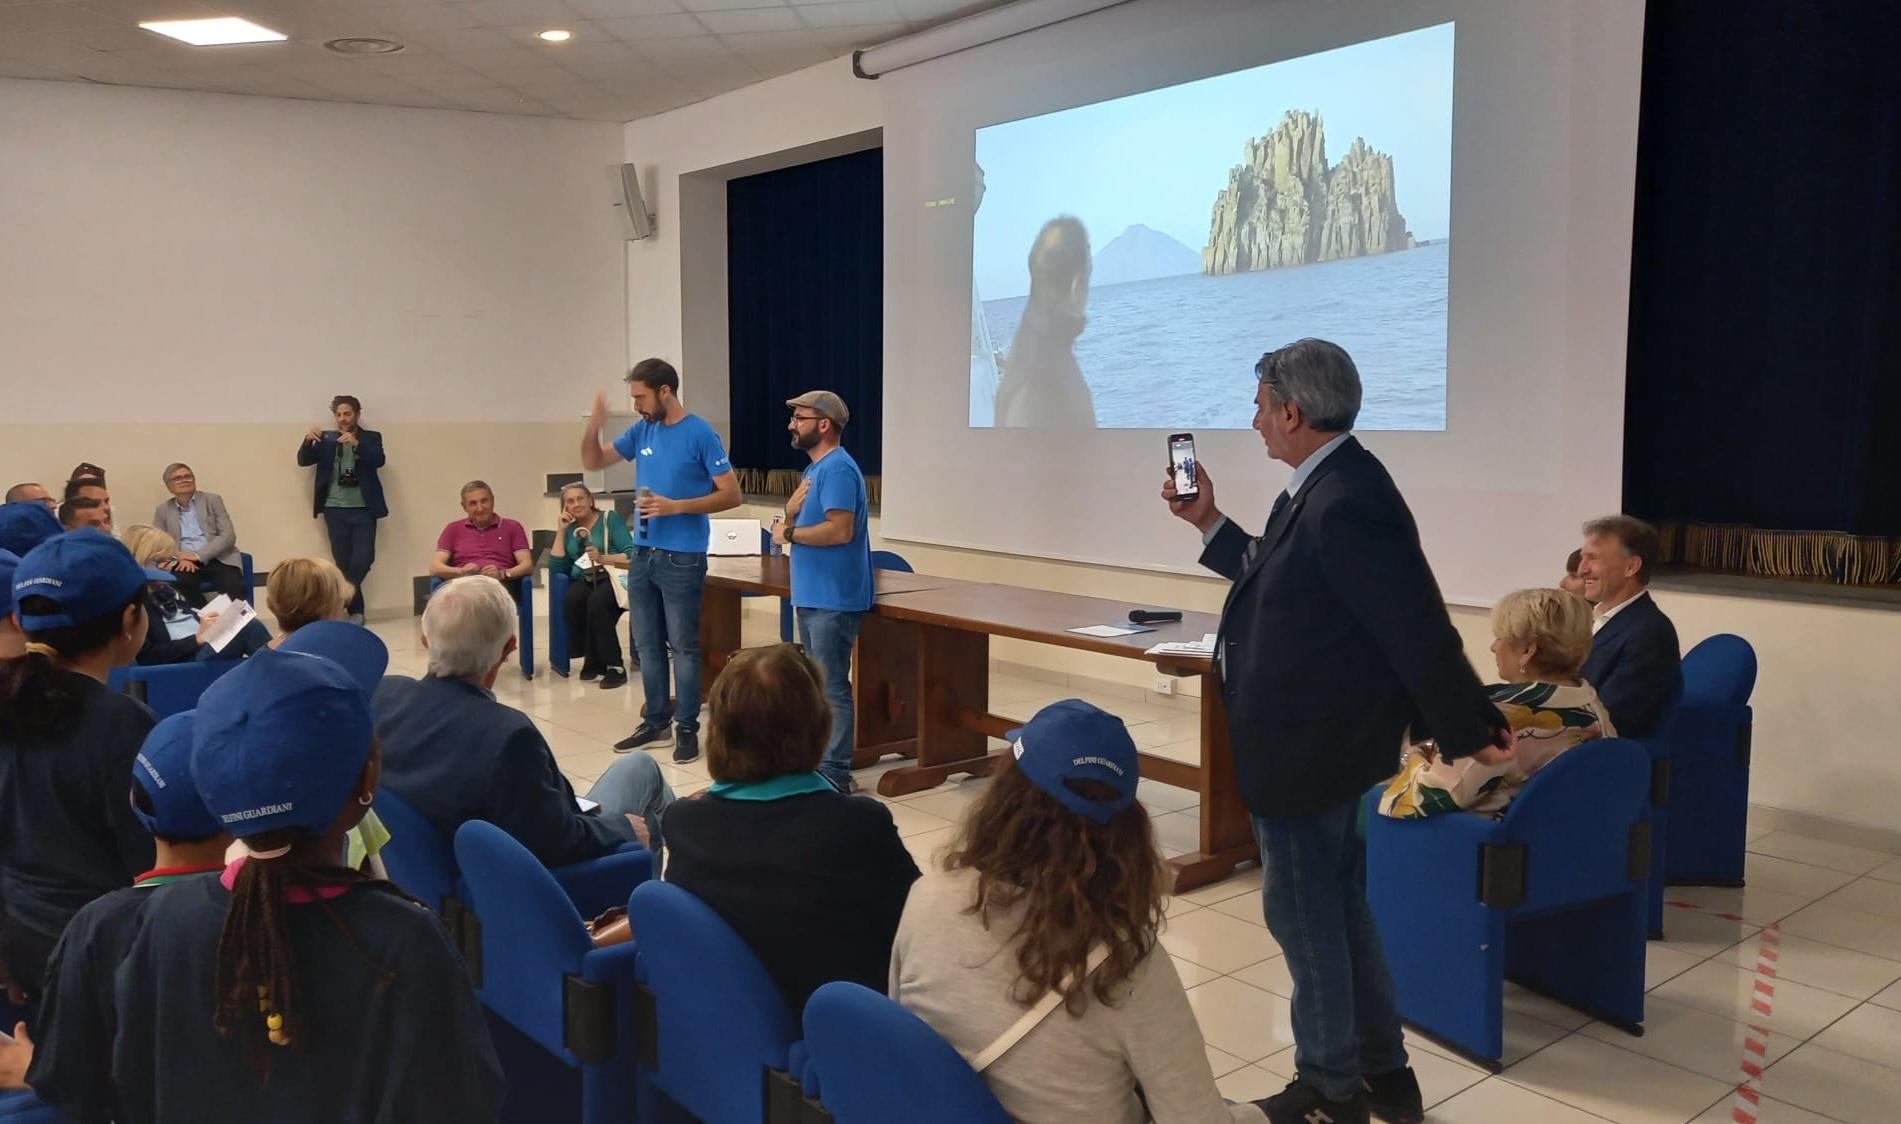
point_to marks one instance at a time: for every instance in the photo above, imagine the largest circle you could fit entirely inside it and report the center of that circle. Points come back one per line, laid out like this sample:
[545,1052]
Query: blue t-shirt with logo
[833,577]
[679,462]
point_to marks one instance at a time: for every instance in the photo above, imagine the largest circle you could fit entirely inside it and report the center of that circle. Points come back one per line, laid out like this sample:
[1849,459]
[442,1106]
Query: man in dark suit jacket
[349,493]
[1334,645]
[455,753]
[1635,663]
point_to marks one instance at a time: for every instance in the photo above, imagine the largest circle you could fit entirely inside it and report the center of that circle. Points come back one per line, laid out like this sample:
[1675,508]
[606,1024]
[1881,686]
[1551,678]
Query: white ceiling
[628,58]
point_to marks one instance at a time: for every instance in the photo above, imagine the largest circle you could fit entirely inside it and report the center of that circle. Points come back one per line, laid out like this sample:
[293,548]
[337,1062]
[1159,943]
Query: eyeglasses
[808,417]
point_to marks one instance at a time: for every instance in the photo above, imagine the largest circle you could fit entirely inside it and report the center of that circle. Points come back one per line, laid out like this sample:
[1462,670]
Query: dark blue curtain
[1764,386]
[805,304]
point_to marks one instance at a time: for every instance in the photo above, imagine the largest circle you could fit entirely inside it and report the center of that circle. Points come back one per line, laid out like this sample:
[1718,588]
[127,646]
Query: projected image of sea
[1132,259]
[1180,351]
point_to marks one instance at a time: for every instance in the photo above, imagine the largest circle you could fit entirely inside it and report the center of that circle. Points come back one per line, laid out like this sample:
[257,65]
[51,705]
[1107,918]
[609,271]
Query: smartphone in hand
[1184,465]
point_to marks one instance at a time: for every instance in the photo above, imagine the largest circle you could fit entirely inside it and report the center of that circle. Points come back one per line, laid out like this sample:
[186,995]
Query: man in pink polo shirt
[483,543]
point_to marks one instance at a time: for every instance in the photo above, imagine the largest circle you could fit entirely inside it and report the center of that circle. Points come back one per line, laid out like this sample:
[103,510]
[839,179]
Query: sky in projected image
[1169,334]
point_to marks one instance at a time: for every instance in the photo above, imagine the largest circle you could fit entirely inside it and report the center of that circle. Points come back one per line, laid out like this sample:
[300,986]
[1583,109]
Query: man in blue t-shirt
[827,528]
[684,476]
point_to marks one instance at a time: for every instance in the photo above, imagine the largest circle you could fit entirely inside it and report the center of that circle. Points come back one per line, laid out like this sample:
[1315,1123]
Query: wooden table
[921,676]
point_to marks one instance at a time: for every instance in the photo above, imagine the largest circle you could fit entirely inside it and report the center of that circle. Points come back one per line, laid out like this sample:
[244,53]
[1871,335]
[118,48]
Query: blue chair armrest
[171,688]
[558,621]
[596,885]
[615,964]
[799,1065]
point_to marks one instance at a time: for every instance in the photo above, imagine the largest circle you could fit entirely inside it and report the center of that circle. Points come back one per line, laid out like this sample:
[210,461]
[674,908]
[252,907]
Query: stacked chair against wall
[536,969]
[525,619]
[1709,738]
[1552,895]
[871,1061]
[721,1044]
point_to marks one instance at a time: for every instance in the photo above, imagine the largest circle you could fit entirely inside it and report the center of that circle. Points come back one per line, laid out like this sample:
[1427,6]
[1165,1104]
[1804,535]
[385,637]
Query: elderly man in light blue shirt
[208,558]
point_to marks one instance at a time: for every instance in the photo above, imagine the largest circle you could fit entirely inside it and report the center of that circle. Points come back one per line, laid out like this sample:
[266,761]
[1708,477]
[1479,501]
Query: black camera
[347,478]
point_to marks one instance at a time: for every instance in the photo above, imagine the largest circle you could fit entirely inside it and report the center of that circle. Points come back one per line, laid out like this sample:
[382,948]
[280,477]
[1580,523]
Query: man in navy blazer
[349,493]
[1334,648]
[455,753]
[1635,664]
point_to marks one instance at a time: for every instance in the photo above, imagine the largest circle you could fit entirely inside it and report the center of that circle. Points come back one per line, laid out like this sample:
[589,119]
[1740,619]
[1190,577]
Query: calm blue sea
[1180,352]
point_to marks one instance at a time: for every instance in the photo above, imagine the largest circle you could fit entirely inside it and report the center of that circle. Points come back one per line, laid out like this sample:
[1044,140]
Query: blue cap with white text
[163,770]
[85,573]
[280,742]
[1073,740]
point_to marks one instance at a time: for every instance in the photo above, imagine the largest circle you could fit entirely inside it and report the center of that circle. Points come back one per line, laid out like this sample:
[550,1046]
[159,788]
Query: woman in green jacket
[589,541]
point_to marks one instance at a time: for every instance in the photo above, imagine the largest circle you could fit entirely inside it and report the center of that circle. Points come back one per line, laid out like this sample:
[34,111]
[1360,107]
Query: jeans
[634,784]
[1346,1024]
[663,598]
[593,625]
[353,547]
[829,636]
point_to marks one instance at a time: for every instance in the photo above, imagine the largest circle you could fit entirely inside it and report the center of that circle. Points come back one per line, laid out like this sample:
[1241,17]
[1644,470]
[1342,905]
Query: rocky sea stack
[1285,206]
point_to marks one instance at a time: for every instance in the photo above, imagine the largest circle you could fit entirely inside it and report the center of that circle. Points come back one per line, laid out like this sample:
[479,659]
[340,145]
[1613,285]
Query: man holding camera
[349,494]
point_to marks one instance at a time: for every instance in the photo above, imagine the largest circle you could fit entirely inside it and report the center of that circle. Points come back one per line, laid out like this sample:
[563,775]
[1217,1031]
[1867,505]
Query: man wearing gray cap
[827,533]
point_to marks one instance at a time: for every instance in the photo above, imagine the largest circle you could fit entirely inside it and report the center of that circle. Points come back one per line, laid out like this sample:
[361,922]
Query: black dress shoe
[588,675]
[614,678]
[1394,1096]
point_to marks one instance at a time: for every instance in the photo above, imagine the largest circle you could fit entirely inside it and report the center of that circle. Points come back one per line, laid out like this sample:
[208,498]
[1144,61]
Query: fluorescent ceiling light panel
[215,32]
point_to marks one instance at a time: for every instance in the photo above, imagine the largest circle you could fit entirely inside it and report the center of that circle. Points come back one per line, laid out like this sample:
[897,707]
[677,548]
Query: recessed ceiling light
[555,35]
[362,45]
[215,32]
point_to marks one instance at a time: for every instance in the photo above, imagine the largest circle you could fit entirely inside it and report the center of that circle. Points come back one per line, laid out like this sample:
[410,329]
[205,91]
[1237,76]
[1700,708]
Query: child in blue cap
[291,987]
[1034,949]
[67,832]
[71,1062]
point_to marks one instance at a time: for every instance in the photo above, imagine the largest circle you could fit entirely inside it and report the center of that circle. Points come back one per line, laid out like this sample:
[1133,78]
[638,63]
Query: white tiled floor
[1836,1026]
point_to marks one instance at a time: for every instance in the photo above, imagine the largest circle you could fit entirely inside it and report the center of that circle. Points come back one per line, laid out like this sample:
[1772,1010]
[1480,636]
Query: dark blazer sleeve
[532,801]
[1224,552]
[1370,555]
[369,449]
[1644,679]
[310,452]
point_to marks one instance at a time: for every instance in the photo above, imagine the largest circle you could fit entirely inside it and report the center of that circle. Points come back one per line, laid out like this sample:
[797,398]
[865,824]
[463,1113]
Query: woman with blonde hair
[1034,949]
[304,590]
[178,631]
[1540,638]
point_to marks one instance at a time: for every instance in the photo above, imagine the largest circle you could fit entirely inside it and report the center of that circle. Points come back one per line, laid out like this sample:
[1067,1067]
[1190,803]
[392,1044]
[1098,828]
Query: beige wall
[254,467]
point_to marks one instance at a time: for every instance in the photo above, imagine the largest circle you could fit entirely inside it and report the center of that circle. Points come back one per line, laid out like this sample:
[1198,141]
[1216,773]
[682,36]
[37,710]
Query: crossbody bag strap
[1038,1011]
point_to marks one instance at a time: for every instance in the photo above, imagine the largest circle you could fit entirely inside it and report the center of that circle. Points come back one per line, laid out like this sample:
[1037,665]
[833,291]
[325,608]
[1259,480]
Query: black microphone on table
[644,493]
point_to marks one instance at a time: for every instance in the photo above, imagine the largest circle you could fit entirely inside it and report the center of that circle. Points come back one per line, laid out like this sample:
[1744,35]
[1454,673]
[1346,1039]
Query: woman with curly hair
[1033,949]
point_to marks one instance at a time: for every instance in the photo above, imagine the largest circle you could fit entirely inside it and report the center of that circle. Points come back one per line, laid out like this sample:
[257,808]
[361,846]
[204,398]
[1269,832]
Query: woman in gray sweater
[1055,885]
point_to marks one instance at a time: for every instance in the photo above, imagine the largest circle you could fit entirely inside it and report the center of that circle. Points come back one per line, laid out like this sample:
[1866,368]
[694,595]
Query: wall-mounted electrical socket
[1164,685]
